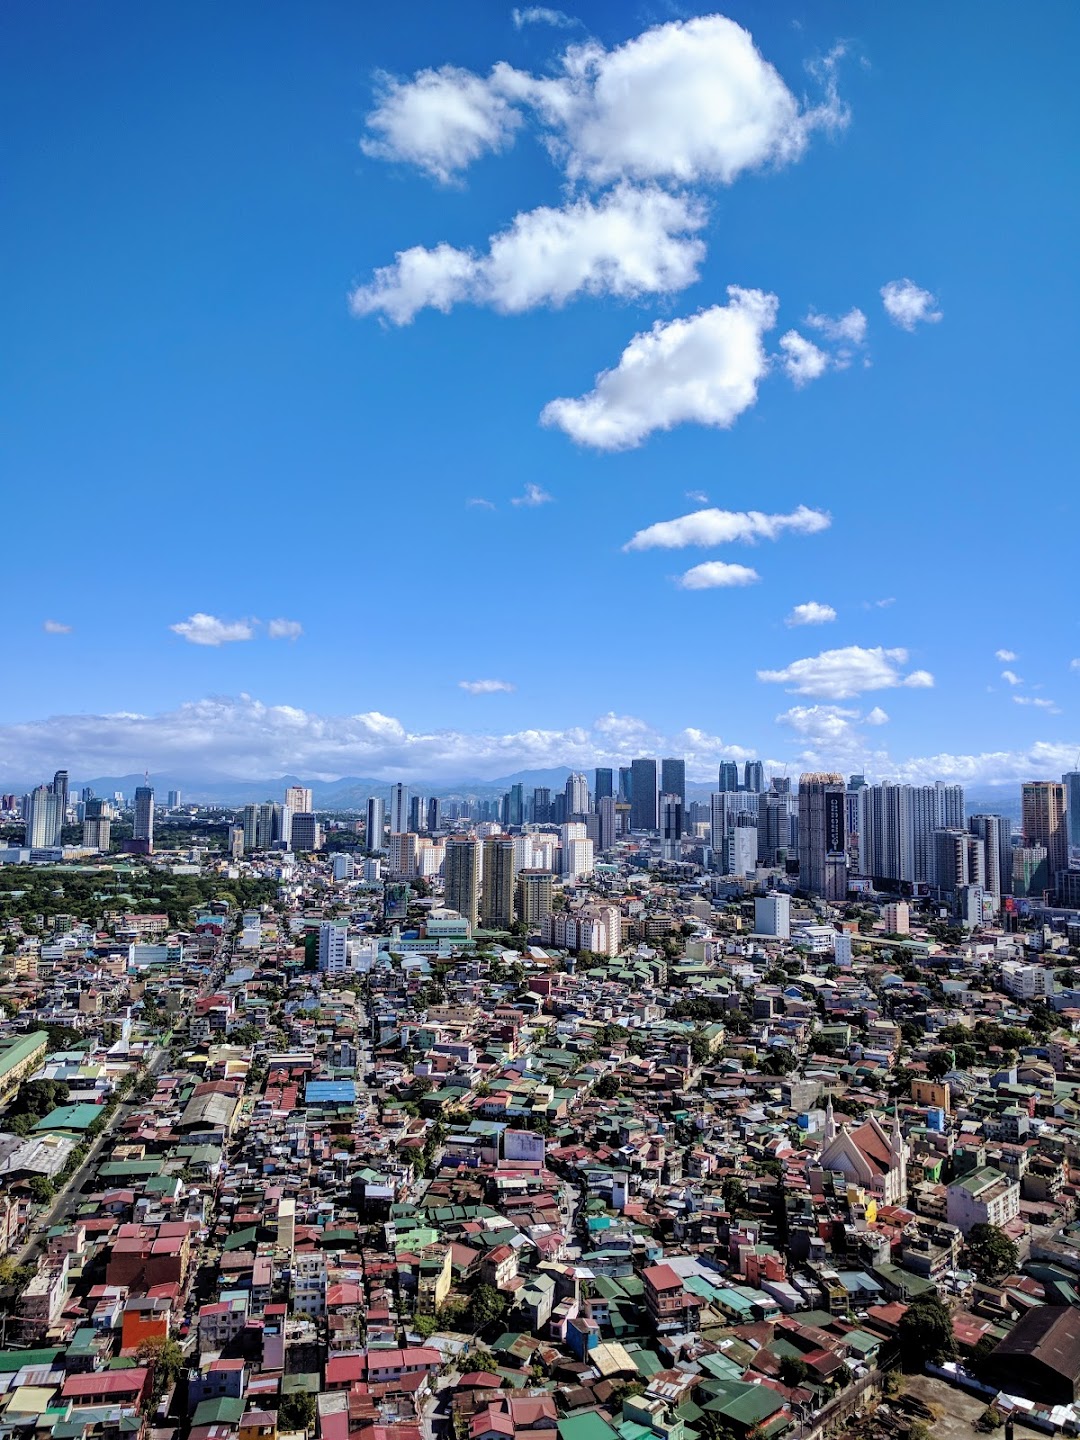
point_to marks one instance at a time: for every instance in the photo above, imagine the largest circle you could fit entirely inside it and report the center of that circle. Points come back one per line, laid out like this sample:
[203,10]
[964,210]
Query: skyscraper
[514,808]
[608,816]
[375,824]
[305,834]
[143,829]
[959,860]
[754,776]
[434,815]
[604,785]
[417,813]
[1071,781]
[461,876]
[59,788]
[577,794]
[399,809]
[671,826]
[42,815]
[896,825]
[1042,805]
[729,776]
[673,778]
[297,798]
[541,805]
[626,783]
[174,799]
[995,833]
[643,814]
[497,883]
[774,827]
[822,836]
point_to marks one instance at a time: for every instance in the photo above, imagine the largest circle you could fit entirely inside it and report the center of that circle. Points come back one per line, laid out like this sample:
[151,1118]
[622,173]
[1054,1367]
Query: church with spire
[868,1155]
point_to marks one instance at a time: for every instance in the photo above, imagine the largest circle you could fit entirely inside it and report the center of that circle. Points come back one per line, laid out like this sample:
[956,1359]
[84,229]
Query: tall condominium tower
[643,814]
[43,817]
[375,824]
[754,776]
[604,785]
[673,779]
[541,805]
[298,797]
[399,809]
[497,885]
[1071,781]
[143,829]
[729,776]
[461,876]
[1042,805]
[996,835]
[671,826]
[577,795]
[822,836]
[626,783]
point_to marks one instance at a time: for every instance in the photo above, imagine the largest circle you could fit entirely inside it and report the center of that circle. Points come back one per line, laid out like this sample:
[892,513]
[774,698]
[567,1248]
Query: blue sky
[199,423]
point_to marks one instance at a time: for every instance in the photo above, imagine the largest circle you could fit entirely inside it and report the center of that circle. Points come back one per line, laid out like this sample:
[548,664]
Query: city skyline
[410,362]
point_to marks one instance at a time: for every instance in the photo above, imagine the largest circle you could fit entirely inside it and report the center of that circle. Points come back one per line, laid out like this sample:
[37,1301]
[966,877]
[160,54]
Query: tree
[297,1411]
[734,1194]
[938,1064]
[486,1306]
[926,1333]
[607,1087]
[42,1190]
[778,1062]
[793,1371]
[991,1252]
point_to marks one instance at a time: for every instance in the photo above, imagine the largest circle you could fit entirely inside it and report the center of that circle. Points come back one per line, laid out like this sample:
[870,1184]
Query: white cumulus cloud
[811,613]
[684,101]
[56,627]
[628,243]
[284,629]
[802,360]
[840,674]
[716,574]
[533,495]
[907,305]
[1005,656]
[486,687]
[203,629]
[1011,678]
[703,369]
[722,527]
[440,121]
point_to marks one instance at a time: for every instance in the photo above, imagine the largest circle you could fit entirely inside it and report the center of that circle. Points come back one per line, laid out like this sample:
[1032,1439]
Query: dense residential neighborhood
[292,1144]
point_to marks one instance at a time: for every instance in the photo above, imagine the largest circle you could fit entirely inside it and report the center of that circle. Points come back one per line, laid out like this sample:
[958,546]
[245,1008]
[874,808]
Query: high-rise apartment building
[608,815]
[173,799]
[603,785]
[97,825]
[541,805]
[143,828]
[497,883]
[643,793]
[264,825]
[434,815]
[729,777]
[822,836]
[754,777]
[1071,781]
[1042,813]
[43,817]
[461,876]
[401,855]
[959,860]
[59,788]
[673,779]
[626,783]
[298,797]
[896,827]
[671,826]
[399,809]
[534,898]
[375,824]
[417,813]
[995,833]
[774,828]
[577,795]
[333,948]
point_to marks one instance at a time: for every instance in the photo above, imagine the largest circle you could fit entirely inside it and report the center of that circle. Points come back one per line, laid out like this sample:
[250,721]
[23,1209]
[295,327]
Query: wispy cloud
[1005,656]
[715,574]
[284,629]
[811,613]
[1011,678]
[722,527]
[486,687]
[1037,702]
[203,629]
[477,502]
[534,495]
[56,627]
[907,305]
[879,604]
[541,15]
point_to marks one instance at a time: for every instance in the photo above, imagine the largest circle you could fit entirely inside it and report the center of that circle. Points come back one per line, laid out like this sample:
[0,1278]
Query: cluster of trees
[33,1101]
[30,890]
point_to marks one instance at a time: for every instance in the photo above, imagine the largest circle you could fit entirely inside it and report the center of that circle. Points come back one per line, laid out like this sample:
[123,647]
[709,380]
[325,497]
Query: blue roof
[330,1092]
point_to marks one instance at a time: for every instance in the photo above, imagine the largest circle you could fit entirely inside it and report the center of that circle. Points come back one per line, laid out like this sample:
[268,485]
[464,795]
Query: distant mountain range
[351,792]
